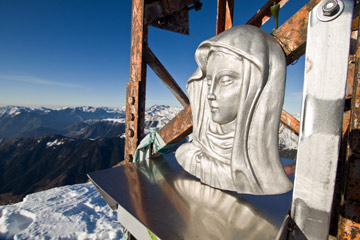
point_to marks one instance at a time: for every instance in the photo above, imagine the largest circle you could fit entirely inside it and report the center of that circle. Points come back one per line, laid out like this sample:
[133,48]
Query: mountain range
[31,122]
[42,148]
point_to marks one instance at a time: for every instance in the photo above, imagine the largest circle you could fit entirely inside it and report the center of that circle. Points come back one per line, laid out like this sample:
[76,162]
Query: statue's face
[224,76]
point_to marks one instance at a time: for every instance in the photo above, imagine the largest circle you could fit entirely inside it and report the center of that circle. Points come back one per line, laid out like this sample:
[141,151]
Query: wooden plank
[165,76]
[135,94]
[264,13]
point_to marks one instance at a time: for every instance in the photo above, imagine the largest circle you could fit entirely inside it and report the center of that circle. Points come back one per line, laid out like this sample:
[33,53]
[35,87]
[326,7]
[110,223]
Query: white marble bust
[236,97]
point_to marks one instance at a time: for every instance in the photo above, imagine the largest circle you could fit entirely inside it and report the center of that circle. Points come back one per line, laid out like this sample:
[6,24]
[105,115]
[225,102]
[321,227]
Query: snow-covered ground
[70,212]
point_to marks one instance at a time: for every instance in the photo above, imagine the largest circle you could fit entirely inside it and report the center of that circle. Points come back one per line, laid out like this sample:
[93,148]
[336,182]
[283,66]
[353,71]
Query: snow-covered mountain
[158,115]
[70,212]
[29,165]
[73,122]
[80,146]
[90,122]
[17,121]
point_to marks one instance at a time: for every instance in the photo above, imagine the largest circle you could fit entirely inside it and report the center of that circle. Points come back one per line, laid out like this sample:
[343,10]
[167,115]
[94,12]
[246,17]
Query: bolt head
[131,133]
[132,117]
[330,8]
[131,100]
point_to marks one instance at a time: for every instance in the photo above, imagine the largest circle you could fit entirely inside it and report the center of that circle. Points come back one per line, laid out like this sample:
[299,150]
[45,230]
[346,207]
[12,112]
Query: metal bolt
[131,133]
[131,100]
[132,117]
[330,8]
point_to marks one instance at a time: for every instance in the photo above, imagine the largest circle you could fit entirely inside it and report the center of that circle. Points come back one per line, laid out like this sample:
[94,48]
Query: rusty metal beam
[292,34]
[135,93]
[165,76]
[178,128]
[349,218]
[264,13]
[225,14]
[290,122]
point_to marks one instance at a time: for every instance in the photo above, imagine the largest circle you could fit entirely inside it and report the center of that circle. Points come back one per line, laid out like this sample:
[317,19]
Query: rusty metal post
[135,89]
[225,12]
[349,218]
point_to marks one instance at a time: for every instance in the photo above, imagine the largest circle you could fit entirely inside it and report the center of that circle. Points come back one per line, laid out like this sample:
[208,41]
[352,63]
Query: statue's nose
[211,96]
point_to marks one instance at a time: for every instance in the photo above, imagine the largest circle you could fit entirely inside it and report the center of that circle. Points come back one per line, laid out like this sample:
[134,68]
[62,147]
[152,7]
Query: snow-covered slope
[70,212]
[288,139]
[158,115]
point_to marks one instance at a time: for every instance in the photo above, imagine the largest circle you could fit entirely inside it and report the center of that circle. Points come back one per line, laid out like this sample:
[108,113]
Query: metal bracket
[325,78]
[329,10]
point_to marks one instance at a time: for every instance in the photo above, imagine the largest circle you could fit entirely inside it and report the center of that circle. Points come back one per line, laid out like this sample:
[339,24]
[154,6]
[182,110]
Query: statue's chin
[220,119]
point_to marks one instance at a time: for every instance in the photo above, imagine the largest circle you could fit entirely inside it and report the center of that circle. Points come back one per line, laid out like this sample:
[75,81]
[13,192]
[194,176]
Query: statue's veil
[255,162]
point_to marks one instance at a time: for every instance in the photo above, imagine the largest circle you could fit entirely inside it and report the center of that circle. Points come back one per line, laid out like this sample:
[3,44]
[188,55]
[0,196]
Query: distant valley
[33,164]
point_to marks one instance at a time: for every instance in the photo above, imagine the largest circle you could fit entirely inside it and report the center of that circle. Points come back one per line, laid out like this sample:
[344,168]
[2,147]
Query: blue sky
[77,52]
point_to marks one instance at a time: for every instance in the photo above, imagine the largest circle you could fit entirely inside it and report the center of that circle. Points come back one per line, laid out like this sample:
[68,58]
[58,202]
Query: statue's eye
[226,80]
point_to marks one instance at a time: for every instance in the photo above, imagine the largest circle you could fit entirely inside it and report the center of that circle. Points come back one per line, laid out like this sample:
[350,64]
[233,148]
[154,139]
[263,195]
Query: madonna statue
[236,97]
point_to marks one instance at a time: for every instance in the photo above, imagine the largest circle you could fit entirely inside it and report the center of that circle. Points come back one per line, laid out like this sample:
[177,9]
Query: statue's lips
[214,109]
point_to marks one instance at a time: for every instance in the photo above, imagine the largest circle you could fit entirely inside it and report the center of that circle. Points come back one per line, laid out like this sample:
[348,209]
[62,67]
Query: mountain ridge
[43,157]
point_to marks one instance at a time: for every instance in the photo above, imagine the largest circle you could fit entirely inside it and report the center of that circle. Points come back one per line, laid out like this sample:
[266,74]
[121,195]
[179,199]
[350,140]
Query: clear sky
[77,52]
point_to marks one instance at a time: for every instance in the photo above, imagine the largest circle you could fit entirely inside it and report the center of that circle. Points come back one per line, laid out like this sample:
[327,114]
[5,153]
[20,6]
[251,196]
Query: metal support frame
[165,76]
[142,55]
[349,179]
[322,110]
[292,37]
[225,13]
[136,88]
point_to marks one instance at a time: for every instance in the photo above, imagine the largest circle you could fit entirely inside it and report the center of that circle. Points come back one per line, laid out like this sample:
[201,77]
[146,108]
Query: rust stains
[293,33]
[349,218]
[308,64]
[290,122]
[136,88]
[178,128]
[224,19]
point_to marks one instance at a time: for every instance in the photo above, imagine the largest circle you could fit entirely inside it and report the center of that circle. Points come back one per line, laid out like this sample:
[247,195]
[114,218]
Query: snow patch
[114,120]
[57,142]
[70,212]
